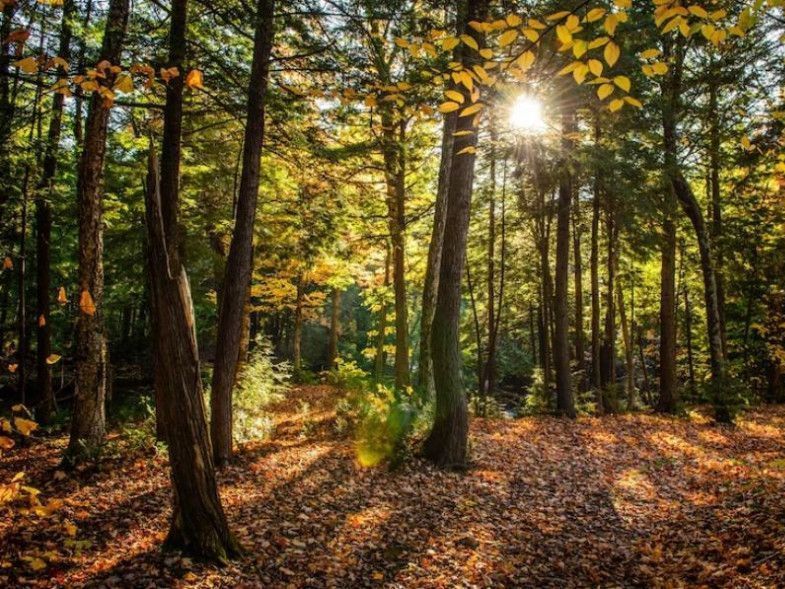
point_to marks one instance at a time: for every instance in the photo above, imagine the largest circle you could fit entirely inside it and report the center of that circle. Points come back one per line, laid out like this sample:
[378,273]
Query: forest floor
[622,501]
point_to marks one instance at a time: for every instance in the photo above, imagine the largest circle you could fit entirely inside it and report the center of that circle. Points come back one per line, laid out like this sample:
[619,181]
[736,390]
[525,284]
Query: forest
[413,293]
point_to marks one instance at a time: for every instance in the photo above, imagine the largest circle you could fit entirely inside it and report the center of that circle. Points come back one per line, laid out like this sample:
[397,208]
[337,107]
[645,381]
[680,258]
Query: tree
[237,277]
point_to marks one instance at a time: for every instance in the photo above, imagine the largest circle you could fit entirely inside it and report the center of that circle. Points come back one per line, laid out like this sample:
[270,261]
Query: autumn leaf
[25,426]
[194,79]
[53,358]
[86,303]
[61,296]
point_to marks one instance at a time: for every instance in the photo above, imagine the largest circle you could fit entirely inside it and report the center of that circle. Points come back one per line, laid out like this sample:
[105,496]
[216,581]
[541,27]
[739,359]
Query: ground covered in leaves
[633,500]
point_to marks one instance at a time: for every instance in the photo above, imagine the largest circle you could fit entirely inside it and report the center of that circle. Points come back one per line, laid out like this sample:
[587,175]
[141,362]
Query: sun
[526,114]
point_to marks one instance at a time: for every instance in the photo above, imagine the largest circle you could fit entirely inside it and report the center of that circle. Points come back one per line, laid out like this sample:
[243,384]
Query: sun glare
[526,114]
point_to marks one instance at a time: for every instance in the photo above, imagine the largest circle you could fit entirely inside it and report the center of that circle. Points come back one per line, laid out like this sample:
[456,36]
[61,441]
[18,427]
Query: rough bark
[431,283]
[629,381]
[594,270]
[447,442]
[335,329]
[668,398]
[88,422]
[44,229]
[297,358]
[580,337]
[565,403]
[381,336]
[239,263]
[198,524]
[608,348]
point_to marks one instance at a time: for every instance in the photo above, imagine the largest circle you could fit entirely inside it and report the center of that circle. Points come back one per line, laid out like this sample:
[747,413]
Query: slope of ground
[620,501]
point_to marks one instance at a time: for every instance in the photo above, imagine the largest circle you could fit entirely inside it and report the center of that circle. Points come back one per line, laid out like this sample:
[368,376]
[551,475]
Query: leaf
[616,104]
[526,60]
[194,79]
[650,53]
[746,143]
[611,53]
[604,91]
[28,65]
[622,82]
[558,15]
[466,150]
[633,101]
[513,20]
[25,426]
[472,109]
[595,67]
[470,42]
[698,11]
[598,42]
[12,368]
[86,303]
[508,37]
[660,68]
[595,14]
[455,96]
[450,43]
[610,24]
[124,84]
[41,320]
[53,358]
[8,263]
[61,296]
[446,107]
[6,443]
[564,35]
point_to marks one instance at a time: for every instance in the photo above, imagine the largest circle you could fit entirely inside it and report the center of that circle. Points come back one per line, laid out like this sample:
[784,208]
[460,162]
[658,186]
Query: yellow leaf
[569,68]
[478,26]
[61,296]
[28,65]
[469,149]
[486,52]
[595,14]
[746,143]
[622,82]
[194,79]
[508,37]
[532,35]
[449,107]
[616,104]
[572,23]
[536,24]
[471,109]
[53,358]
[400,42]
[454,95]
[526,60]
[707,31]
[604,91]
[124,84]
[595,67]
[450,43]
[698,11]
[564,35]
[579,73]
[6,443]
[611,21]
[558,15]
[633,101]
[622,3]
[579,48]
[611,53]
[86,303]
[660,68]
[513,20]
[598,42]
[24,426]
[650,53]
[470,41]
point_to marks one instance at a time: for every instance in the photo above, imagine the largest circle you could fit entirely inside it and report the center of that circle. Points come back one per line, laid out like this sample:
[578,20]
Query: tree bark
[565,403]
[239,264]
[447,442]
[668,398]
[297,358]
[381,337]
[335,329]
[608,348]
[44,228]
[626,334]
[198,524]
[580,337]
[431,283]
[594,265]
[88,421]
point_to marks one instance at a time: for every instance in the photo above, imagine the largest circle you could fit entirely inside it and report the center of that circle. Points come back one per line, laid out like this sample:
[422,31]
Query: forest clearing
[401,293]
[634,500]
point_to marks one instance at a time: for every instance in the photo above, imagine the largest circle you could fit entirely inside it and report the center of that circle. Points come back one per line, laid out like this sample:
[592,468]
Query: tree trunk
[627,341]
[198,523]
[671,88]
[239,264]
[88,422]
[44,228]
[668,398]
[580,338]
[608,355]
[565,403]
[447,441]
[297,358]
[381,337]
[594,263]
[335,329]
[431,284]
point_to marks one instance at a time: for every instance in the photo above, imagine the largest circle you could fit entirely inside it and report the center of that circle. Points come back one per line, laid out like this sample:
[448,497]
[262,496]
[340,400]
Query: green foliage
[539,401]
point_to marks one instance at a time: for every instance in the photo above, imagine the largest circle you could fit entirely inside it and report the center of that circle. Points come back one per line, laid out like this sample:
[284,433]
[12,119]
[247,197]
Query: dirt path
[622,501]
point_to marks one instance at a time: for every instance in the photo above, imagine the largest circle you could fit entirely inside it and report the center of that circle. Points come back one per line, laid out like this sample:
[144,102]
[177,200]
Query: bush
[540,400]
[261,382]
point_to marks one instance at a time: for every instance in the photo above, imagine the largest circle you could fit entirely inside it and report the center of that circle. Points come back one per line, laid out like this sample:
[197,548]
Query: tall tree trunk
[565,403]
[239,264]
[716,205]
[608,355]
[546,290]
[381,337]
[431,283]
[44,227]
[335,329]
[198,523]
[297,357]
[88,422]
[580,338]
[671,88]
[447,441]
[688,330]
[668,398]
[594,269]
[626,334]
